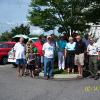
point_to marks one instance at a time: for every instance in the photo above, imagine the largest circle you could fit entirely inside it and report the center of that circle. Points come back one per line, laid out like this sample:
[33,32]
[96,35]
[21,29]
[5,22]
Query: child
[31,63]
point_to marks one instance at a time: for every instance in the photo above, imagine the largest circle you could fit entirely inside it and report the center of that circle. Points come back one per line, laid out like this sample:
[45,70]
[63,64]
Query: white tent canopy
[21,35]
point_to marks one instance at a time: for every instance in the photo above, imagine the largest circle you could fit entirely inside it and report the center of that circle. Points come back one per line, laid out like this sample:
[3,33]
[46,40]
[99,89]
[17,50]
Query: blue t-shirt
[70,46]
[61,45]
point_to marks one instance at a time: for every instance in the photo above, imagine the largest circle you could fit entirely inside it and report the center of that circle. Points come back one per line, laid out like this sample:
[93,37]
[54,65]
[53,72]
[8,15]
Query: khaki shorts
[79,59]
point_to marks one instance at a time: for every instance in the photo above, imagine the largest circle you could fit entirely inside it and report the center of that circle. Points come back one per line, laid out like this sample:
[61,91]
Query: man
[53,37]
[39,45]
[80,48]
[61,43]
[48,49]
[20,50]
[92,51]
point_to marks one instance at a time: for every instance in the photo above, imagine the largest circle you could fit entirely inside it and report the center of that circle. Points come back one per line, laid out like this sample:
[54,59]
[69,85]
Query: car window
[0,45]
[3,45]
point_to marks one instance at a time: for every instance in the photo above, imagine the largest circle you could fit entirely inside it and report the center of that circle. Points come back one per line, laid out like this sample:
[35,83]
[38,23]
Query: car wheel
[5,60]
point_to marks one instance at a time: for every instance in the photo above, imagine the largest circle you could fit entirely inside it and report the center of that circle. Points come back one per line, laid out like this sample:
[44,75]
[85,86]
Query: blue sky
[12,13]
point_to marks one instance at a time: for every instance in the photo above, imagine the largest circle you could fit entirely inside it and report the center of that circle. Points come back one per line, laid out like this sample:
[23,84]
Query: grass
[57,71]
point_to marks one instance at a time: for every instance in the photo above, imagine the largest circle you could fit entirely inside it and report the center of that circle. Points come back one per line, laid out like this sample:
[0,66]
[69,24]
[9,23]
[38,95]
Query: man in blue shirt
[61,43]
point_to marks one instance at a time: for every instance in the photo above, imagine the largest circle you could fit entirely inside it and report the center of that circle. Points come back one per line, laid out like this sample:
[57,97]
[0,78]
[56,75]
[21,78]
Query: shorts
[79,59]
[21,61]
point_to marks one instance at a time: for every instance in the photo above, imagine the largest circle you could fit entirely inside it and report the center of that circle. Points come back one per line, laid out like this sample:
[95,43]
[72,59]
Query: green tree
[64,14]
[21,30]
[6,36]
[93,12]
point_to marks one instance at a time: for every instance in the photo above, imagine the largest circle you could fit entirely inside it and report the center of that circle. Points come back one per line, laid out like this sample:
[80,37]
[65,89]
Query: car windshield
[34,40]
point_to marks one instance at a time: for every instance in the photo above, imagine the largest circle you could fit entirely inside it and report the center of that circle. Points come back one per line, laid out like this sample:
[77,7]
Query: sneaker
[45,78]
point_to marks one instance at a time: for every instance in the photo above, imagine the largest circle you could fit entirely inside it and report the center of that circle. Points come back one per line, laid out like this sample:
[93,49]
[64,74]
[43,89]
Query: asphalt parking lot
[26,88]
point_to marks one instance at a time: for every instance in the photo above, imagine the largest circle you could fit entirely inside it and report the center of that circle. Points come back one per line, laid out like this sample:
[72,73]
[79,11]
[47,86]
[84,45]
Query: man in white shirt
[92,51]
[20,50]
[48,50]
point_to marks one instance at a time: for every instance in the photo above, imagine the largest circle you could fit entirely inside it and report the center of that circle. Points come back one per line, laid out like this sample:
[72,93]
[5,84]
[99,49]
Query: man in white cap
[48,50]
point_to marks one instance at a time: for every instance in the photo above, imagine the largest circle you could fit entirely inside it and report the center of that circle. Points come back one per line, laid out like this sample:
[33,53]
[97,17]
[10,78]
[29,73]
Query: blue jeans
[48,67]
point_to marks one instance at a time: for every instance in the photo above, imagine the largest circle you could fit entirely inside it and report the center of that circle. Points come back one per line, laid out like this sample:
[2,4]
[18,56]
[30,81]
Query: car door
[5,49]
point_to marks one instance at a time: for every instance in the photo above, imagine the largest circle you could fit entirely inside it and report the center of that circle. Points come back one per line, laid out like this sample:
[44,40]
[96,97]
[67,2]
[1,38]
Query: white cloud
[35,30]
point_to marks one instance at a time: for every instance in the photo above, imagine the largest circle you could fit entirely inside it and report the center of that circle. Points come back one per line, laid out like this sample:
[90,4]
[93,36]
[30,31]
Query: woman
[69,55]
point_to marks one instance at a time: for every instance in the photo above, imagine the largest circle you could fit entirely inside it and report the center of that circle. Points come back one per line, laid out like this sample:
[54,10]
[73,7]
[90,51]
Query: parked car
[5,47]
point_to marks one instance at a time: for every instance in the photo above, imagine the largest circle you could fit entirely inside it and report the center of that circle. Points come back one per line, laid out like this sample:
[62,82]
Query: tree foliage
[64,14]
[21,30]
[15,31]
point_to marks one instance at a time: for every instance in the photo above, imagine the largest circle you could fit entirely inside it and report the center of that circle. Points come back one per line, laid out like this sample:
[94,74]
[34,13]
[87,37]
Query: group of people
[72,52]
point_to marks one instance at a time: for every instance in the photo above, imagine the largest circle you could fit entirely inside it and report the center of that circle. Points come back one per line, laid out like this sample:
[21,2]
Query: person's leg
[19,70]
[63,61]
[95,65]
[51,68]
[39,62]
[34,70]
[91,69]
[42,61]
[31,70]
[45,66]
[59,60]
[81,63]
[81,70]
[78,62]
[72,63]
[24,64]
[68,64]
[31,73]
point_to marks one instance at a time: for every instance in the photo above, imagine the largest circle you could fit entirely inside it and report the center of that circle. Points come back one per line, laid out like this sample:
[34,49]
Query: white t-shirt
[92,49]
[20,51]
[48,50]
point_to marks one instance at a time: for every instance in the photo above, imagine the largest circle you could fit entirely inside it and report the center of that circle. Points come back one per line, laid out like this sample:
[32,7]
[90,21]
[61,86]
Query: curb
[62,76]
